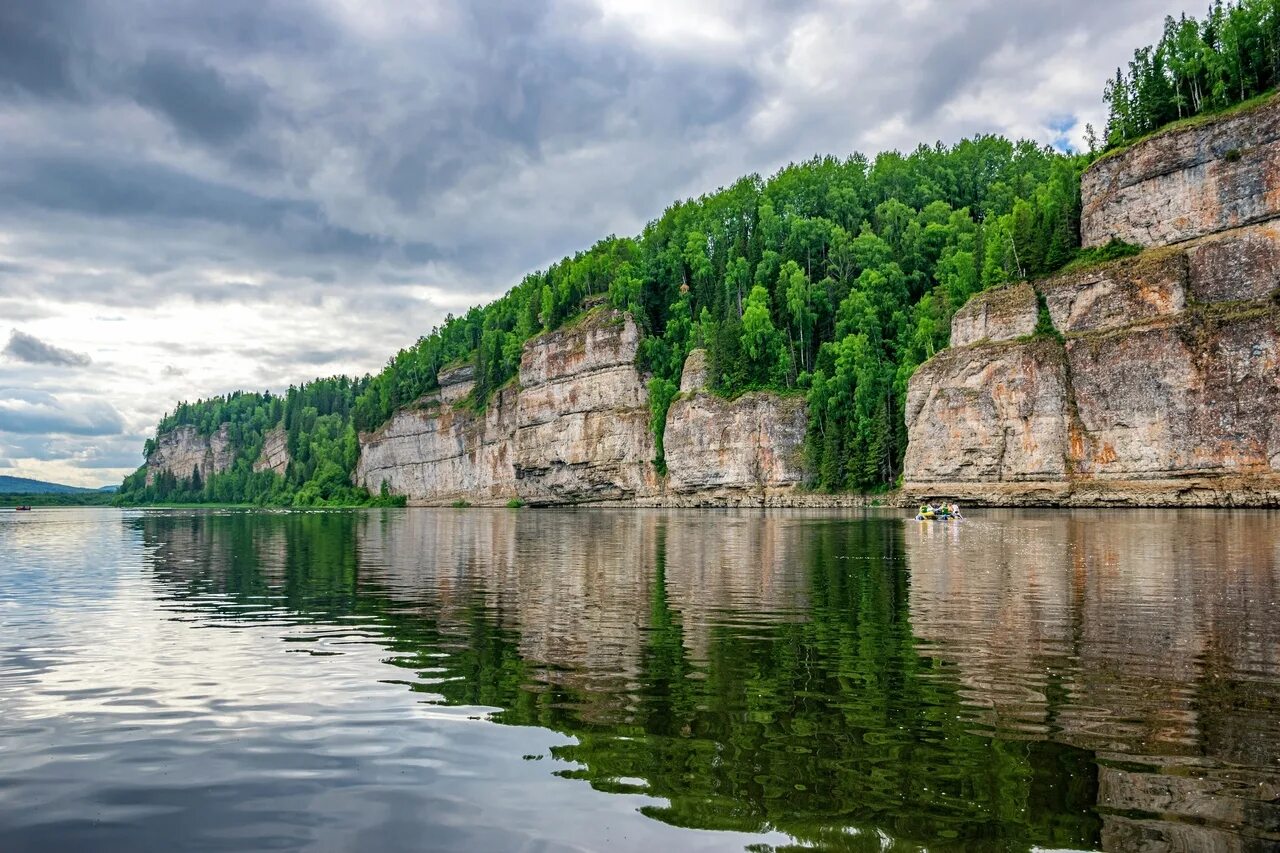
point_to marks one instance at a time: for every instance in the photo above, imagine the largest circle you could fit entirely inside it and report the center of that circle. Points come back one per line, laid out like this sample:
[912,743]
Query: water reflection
[1061,680]
[1148,638]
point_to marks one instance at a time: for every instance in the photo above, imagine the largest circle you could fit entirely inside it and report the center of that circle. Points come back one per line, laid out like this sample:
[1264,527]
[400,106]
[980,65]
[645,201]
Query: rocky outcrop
[696,374]
[723,450]
[729,452]
[1001,314]
[1164,389]
[456,382]
[575,428]
[183,449]
[1161,382]
[1188,182]
[990,414]
[274,456]
[437,453]
[582,415]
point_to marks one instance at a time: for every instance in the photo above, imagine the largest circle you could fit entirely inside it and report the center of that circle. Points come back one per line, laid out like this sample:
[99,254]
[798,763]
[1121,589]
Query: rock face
[1001,314]
[183,450]
[1161,385]
[436,453]
[275,453]
[990,413]
[1187,183]
[1164,390]
[575,428]
[722,450]
[582,415]
[695,376]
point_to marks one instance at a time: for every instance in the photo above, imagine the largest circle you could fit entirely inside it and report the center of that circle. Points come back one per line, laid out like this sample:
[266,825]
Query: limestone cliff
[1187,183]
[438,453]
[274,456]
[575,428]
[1161,385]
[183,450]
[582,415]
[727,451]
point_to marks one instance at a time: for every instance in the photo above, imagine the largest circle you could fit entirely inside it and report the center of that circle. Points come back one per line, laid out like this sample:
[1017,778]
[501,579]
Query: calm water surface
[638,680]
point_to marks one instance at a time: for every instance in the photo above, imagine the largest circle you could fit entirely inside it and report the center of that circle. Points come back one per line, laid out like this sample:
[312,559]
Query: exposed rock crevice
[1165,387]
[576,429]
[183,450]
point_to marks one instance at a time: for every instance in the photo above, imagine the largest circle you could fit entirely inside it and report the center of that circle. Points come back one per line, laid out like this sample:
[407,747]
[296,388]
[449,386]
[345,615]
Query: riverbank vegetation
[834,278]
[319,435]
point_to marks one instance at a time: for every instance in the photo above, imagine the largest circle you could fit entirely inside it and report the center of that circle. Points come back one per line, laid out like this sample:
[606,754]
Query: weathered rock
[1000,314]
[695,377]
[1119,293]
[275,453]
[183,450]
[582,415]
[1187,182]
[991,413]
[436,453]
[1175,409]
[1197,396]
[1236,265]
[456,382]
[719,448]
[1169,392]
[576,429]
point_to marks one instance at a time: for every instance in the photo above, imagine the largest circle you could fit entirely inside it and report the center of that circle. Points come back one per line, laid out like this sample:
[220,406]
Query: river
[639,679]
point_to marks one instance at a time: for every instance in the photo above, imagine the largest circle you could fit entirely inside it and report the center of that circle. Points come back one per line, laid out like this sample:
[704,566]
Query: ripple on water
[629,680]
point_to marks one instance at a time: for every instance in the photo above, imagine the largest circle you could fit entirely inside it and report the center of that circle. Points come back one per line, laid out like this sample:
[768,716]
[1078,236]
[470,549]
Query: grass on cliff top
[1187,123]
[1099,255]
[583,317]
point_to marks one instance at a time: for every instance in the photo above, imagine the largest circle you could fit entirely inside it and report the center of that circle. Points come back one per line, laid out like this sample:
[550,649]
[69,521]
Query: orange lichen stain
[1107,454]
[1077,444]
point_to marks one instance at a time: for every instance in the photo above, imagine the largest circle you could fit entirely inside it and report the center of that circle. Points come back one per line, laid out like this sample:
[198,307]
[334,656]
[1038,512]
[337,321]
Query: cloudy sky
[197,197]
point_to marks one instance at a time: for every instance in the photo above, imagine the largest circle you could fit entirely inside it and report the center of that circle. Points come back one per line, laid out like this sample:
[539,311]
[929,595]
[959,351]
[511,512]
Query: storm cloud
[265,191]
[32,350]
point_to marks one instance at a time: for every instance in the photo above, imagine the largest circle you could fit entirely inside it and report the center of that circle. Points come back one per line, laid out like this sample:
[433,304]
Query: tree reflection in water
[1063,680]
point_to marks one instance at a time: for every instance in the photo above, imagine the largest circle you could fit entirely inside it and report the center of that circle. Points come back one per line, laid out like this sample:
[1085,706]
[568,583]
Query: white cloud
[361,170]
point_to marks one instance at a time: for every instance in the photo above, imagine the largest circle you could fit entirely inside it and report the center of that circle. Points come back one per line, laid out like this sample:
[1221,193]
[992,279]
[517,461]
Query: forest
[1198,67]
[833,279]
[320,436]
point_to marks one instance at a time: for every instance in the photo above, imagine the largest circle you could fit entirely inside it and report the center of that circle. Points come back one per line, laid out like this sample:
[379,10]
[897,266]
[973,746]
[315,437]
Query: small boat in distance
[939,512]
[22,509]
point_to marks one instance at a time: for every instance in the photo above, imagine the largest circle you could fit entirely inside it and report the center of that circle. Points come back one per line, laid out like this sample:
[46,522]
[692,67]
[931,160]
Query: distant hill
[22,485]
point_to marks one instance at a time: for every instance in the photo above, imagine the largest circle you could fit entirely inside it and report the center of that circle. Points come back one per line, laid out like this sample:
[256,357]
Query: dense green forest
[1196,67]
[833,279]
[320,436]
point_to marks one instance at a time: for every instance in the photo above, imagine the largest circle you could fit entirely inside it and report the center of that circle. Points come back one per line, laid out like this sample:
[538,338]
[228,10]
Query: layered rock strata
[274,456]
[575,428]
[1162,388]
[1187,183]
[582,415]
[1160,384]
[183,450]
[437,453]
[722,451]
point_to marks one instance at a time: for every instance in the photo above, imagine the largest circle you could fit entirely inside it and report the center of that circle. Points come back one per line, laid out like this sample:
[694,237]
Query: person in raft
[930,512]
